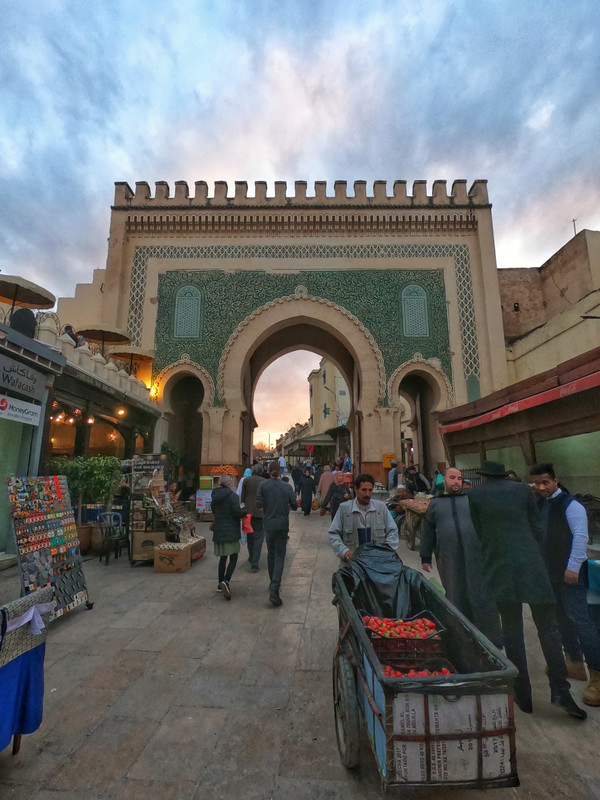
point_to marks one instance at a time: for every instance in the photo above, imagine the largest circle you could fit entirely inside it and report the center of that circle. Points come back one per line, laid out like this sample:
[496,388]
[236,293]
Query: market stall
[46,540]
[154,520]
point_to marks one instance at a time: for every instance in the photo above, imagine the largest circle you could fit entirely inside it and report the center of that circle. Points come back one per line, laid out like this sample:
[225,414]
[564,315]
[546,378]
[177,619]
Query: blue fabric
[22,694]
[578,632]
[364,535]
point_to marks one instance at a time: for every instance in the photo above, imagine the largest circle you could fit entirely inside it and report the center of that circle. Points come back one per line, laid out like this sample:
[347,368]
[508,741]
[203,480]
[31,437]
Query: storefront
[91,417]
[28,370]
[552,417]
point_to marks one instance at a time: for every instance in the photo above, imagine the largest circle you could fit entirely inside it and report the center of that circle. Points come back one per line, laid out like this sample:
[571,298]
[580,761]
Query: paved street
[165,690]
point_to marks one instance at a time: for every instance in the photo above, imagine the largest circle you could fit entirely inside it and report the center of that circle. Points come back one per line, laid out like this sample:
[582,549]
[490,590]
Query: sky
[93,93]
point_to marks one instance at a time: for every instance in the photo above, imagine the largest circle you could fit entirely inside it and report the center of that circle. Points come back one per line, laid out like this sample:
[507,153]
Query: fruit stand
[414,512]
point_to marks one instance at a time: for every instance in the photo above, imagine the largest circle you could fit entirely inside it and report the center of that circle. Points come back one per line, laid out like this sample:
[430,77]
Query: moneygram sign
[19,411]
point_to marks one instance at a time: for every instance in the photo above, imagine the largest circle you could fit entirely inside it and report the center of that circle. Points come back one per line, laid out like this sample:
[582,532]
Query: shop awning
[298,447]
[322,439]
[556,393]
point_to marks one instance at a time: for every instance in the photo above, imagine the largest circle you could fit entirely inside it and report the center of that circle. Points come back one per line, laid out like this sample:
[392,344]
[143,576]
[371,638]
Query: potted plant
[91,479]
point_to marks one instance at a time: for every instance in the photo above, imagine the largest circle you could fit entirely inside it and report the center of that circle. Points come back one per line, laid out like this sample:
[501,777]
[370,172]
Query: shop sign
[203,498]
[19,411]
[18,377]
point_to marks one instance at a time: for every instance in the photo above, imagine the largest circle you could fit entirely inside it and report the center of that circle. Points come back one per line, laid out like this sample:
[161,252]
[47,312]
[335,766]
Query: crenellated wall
[298,213]
[477,195]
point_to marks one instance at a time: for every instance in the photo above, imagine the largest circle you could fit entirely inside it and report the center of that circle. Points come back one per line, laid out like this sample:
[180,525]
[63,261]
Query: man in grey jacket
[362,520]
[276,499]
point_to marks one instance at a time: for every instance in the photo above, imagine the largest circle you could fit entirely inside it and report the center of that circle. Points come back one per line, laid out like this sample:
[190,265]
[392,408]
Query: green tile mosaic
[372,295]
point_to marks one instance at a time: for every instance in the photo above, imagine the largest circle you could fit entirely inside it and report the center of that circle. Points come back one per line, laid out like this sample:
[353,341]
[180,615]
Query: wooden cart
[456,730]
[414,512]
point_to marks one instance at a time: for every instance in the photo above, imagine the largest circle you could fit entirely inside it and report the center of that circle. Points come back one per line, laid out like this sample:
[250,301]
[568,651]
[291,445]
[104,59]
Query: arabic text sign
[20,378]
[19,411]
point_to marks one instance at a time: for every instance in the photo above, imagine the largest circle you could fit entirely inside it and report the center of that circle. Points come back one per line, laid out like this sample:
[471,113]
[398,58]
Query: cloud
[281,397]
[265,90]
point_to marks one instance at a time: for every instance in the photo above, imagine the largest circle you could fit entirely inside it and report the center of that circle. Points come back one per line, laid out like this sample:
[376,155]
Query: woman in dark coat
[226,529]
[339,491]
[306,488]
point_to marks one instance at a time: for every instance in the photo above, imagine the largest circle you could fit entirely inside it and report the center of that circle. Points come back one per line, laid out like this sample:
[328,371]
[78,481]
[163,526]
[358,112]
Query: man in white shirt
[565,552]
[362,520]
[282,464]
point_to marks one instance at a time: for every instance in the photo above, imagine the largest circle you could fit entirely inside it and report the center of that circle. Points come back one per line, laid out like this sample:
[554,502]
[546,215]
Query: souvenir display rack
[47,543]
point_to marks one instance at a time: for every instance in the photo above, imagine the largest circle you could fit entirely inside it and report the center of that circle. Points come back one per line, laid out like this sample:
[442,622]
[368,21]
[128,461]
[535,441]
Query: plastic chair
[113,535]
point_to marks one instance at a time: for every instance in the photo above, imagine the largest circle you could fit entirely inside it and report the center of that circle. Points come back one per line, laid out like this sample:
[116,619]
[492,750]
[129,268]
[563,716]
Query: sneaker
[563,700]
[219,588]
[275,600]
[224,586]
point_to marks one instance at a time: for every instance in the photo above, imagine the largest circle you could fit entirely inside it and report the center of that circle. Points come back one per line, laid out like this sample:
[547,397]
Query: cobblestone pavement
[165,690]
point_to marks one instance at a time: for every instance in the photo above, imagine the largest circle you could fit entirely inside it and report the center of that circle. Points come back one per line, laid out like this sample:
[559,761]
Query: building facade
[550,410]
[398,290]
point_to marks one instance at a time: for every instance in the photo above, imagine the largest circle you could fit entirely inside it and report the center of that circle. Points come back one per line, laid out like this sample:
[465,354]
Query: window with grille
[188,306]
[415,319]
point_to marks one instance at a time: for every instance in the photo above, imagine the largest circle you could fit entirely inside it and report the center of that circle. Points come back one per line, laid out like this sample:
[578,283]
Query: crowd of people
[258,512]
[499,545]
[506,543]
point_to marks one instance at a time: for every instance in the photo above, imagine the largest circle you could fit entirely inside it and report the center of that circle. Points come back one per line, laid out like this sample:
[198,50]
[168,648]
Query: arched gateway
[399,291]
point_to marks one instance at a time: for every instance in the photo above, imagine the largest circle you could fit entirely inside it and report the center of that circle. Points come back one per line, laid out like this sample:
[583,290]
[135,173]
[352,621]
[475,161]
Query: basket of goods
[224,469]
[432,668]
[405,642]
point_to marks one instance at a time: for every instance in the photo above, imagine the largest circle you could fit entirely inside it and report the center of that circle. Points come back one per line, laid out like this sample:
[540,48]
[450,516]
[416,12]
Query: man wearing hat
[509,525]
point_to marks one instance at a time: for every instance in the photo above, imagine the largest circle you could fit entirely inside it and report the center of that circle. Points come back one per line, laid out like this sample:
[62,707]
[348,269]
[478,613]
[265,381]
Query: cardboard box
[172,560]
[144,543]
[198,548]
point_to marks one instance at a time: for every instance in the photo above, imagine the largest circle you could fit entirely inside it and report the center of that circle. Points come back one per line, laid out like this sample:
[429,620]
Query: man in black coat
[277,499]
[509,525]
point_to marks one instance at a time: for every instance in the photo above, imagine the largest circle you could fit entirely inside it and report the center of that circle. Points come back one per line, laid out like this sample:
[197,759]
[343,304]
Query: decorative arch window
[188,308]
[415,317]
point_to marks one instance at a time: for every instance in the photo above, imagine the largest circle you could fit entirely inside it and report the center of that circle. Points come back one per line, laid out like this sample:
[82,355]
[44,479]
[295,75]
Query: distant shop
[28,370]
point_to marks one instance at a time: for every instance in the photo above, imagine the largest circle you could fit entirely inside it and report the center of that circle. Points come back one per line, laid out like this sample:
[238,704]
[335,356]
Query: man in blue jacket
[277,499]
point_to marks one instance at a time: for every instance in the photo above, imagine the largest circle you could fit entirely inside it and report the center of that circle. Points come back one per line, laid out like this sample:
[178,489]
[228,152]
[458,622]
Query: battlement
[459,197]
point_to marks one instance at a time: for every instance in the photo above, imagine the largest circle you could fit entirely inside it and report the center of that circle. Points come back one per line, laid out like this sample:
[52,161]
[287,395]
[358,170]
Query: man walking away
[565,551]
[256,538]
[362,520]
[282,465]
[449,533]
[276,499]
[509,525]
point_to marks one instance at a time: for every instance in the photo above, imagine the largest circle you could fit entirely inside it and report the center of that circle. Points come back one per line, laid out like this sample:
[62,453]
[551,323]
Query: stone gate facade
[399,290]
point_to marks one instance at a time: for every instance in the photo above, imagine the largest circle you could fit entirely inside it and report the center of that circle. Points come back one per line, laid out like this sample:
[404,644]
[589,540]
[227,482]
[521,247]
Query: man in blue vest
[565,552]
